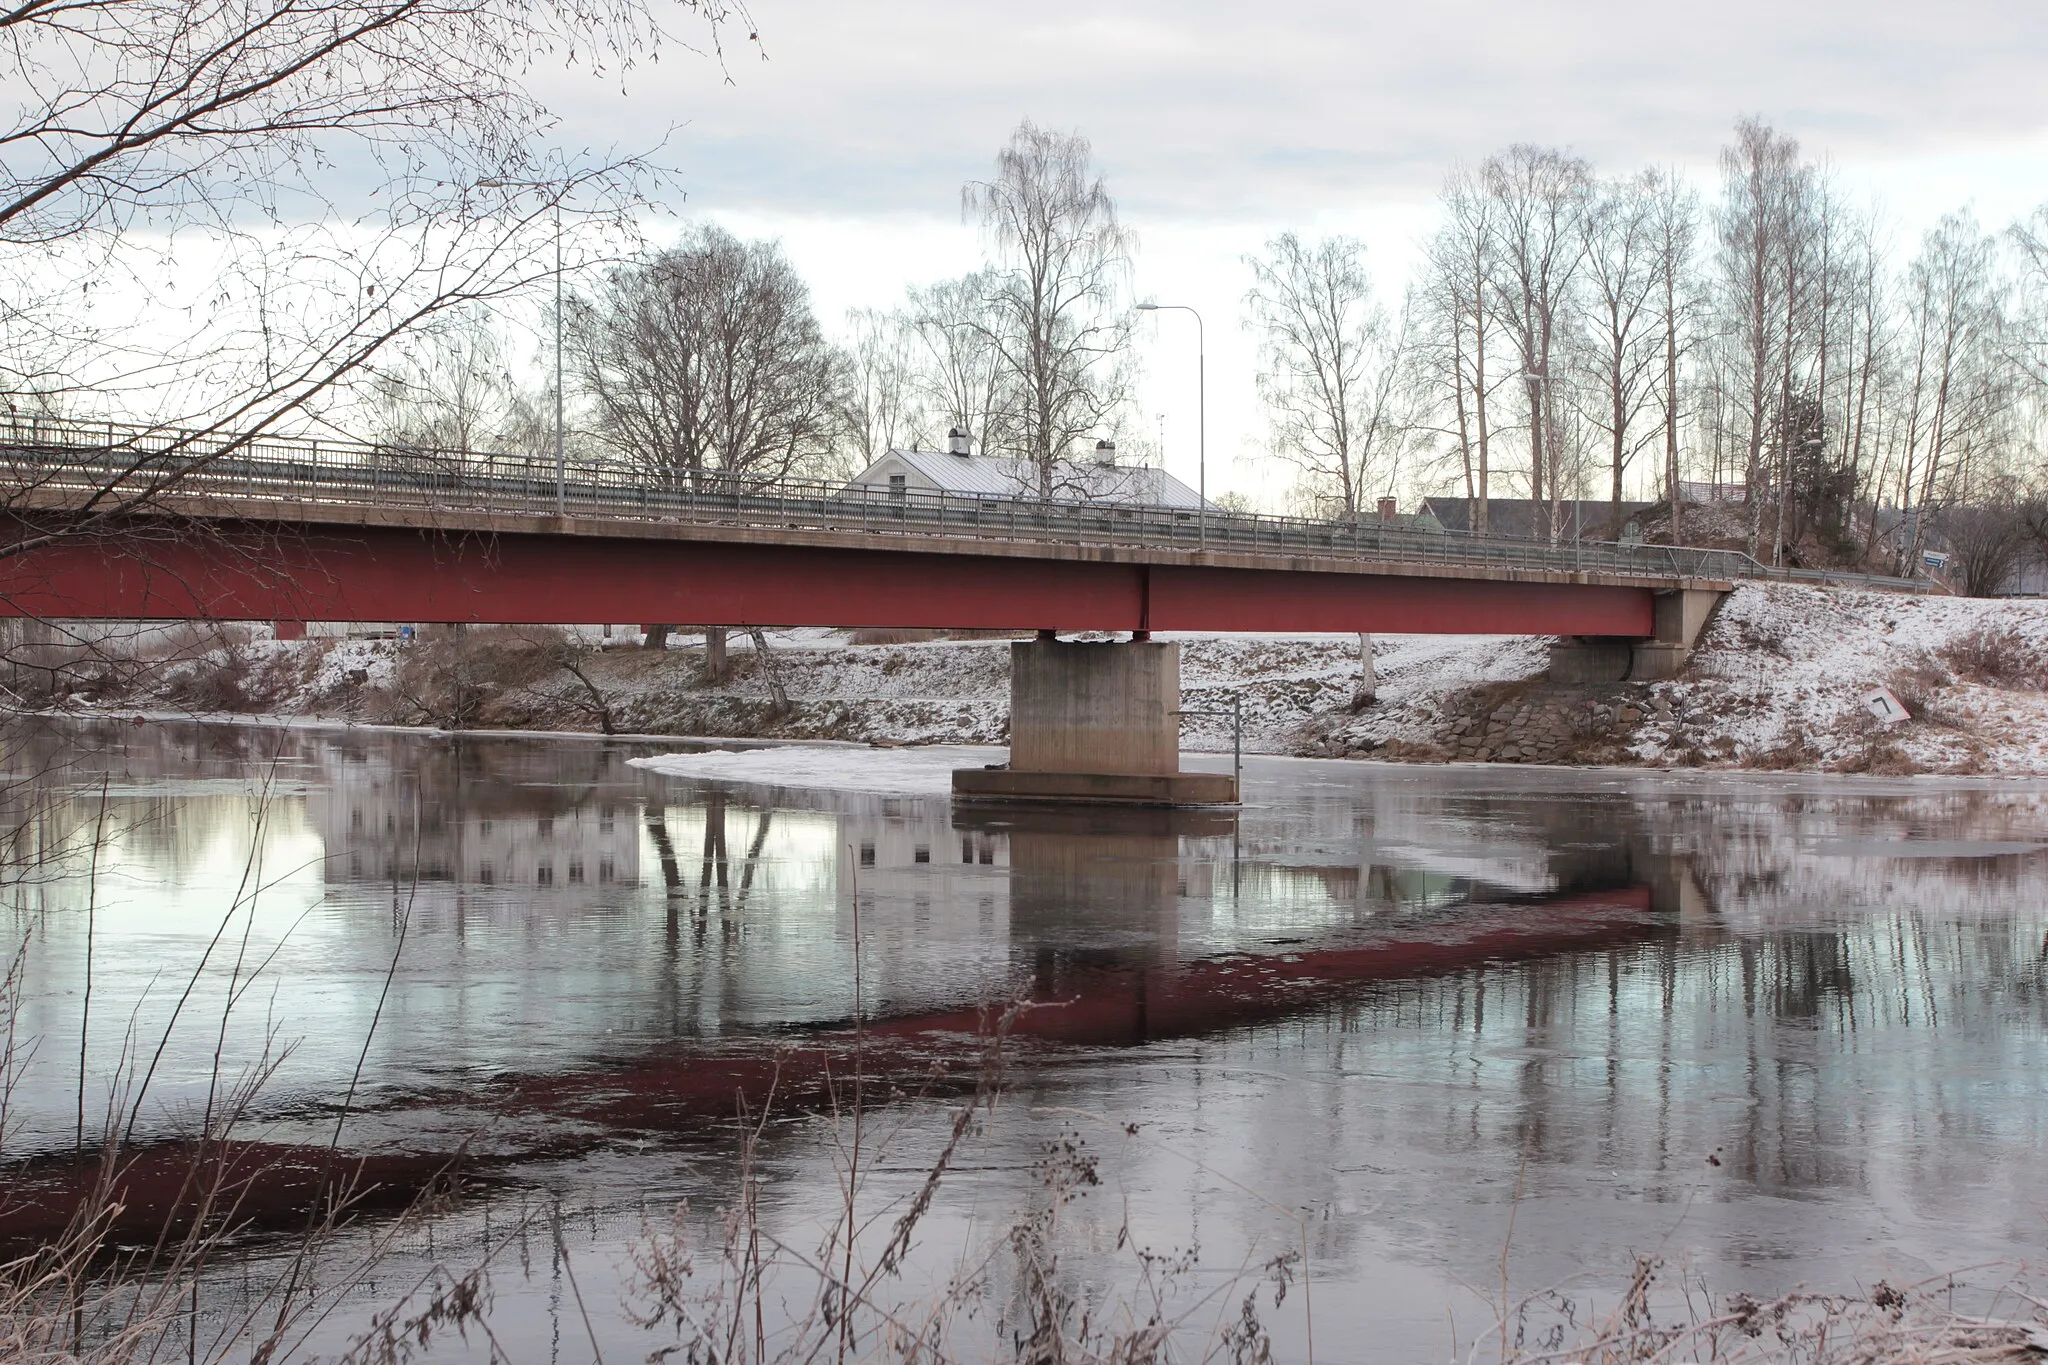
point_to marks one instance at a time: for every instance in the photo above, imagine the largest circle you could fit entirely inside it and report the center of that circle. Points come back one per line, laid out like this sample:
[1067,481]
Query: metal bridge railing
[69,461]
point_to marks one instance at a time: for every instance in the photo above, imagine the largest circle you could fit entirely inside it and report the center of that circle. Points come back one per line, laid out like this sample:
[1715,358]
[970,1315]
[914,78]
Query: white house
[960,470]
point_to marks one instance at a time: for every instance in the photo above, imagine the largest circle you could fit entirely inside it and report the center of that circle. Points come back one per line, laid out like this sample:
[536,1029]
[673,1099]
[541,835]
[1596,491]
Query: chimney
[1387,512]
[959,441]
[1105,452]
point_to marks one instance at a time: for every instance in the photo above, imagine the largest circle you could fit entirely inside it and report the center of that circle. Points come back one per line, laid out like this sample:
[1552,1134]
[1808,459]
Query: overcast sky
[848,129]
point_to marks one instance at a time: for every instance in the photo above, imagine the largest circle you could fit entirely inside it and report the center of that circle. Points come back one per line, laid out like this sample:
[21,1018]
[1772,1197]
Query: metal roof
[1073,480]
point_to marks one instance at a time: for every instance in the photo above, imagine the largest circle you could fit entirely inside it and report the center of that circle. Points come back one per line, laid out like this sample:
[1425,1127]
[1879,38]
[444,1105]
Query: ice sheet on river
[923,771]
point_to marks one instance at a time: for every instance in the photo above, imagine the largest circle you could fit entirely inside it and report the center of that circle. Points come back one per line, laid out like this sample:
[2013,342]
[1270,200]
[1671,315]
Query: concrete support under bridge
[1095,723]
[1680,616]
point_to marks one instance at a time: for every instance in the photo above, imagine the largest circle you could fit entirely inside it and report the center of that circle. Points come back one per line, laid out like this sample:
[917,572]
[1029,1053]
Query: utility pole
[561,463]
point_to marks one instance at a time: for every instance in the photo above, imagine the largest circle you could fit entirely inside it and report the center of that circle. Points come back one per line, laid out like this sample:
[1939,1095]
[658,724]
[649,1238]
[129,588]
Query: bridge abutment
[1679,617]
[1095,722]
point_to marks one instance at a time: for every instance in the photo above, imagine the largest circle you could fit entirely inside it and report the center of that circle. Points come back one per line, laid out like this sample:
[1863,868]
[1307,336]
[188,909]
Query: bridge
[132,523]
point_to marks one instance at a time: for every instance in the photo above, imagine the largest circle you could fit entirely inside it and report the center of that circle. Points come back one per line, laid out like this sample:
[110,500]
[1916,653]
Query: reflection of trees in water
[715,890]
[716,894]
[1779,1051]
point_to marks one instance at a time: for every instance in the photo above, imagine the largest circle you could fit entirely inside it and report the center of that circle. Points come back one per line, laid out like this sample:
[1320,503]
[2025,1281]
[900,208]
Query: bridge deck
[186,526]
[307,482]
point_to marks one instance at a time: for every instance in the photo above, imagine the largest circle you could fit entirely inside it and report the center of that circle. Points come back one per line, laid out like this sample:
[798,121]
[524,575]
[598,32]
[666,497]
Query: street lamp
[561,463]
[1201,418]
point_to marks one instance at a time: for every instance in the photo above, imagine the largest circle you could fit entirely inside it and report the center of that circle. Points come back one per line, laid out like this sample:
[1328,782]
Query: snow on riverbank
[1780,676]
[1777,683]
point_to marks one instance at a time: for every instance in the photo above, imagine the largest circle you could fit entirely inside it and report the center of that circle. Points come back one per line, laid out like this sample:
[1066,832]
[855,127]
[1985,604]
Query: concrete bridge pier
[1680,616]
[1095,723]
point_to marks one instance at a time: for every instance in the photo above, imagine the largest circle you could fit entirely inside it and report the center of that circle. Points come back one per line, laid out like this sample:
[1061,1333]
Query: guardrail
[100,459]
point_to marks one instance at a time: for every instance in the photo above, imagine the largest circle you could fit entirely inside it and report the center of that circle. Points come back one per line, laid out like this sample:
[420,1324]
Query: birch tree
[957,370]
[1759,225]
[1056,311]
[1540,196]
[1621,244]
[1330,368]
[1674,234]
[1958,392]
[1460,335]
[879,408]
[1332,377]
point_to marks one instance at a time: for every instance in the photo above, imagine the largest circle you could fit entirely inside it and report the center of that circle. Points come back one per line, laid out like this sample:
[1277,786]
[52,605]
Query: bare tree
[1333,378]
[146,135]
[1621,242]
[1986,540]
[1674,235]
[1457,304]
[958,371]
[444,387]
[1867,337]
[1056,314]
[705,365]
[1331,368]
[1540,195]
[879,406]
[707,369]
[1761,225]
[1958,392]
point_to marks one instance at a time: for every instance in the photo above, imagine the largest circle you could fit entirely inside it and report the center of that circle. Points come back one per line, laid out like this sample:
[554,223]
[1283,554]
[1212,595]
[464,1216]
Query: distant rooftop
[1003,477]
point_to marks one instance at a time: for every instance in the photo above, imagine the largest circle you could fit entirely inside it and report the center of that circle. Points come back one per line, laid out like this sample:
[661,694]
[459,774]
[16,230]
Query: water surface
[1774,1031]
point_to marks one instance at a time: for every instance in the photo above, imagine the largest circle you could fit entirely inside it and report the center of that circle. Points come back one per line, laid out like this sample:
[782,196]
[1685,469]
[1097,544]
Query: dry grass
[1998,656]
[1915,1324]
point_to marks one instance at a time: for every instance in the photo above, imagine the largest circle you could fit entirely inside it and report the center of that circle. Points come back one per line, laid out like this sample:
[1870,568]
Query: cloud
[1208,110]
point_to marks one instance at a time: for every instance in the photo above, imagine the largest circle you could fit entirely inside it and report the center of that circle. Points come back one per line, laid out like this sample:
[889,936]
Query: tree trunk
[1479,412]
[1620,451]
[657,636]
[1671,481]
[765,662]
[716,670]
[1368,677]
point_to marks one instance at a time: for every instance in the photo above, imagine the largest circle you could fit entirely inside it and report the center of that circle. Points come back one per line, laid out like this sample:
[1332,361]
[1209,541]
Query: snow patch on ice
[925,771]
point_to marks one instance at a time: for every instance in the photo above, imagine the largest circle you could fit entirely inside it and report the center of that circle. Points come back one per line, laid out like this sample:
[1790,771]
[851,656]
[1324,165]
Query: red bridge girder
[401,574]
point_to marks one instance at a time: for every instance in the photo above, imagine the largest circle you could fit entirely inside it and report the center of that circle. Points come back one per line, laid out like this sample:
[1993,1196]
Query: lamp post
[1201,417]
[561,463]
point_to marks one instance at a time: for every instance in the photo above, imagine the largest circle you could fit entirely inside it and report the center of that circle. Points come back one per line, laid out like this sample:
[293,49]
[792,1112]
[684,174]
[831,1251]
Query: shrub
[1998,656]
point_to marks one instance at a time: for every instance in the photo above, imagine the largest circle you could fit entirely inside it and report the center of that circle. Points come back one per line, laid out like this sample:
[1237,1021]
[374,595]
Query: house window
[898,485]
[921,854]
[867,855]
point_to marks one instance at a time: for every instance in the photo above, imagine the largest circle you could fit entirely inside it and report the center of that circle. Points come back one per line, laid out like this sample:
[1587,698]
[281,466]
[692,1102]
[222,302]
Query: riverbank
[1777,683]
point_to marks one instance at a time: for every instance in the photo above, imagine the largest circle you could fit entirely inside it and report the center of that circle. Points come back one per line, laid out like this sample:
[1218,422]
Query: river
[1448,1037]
